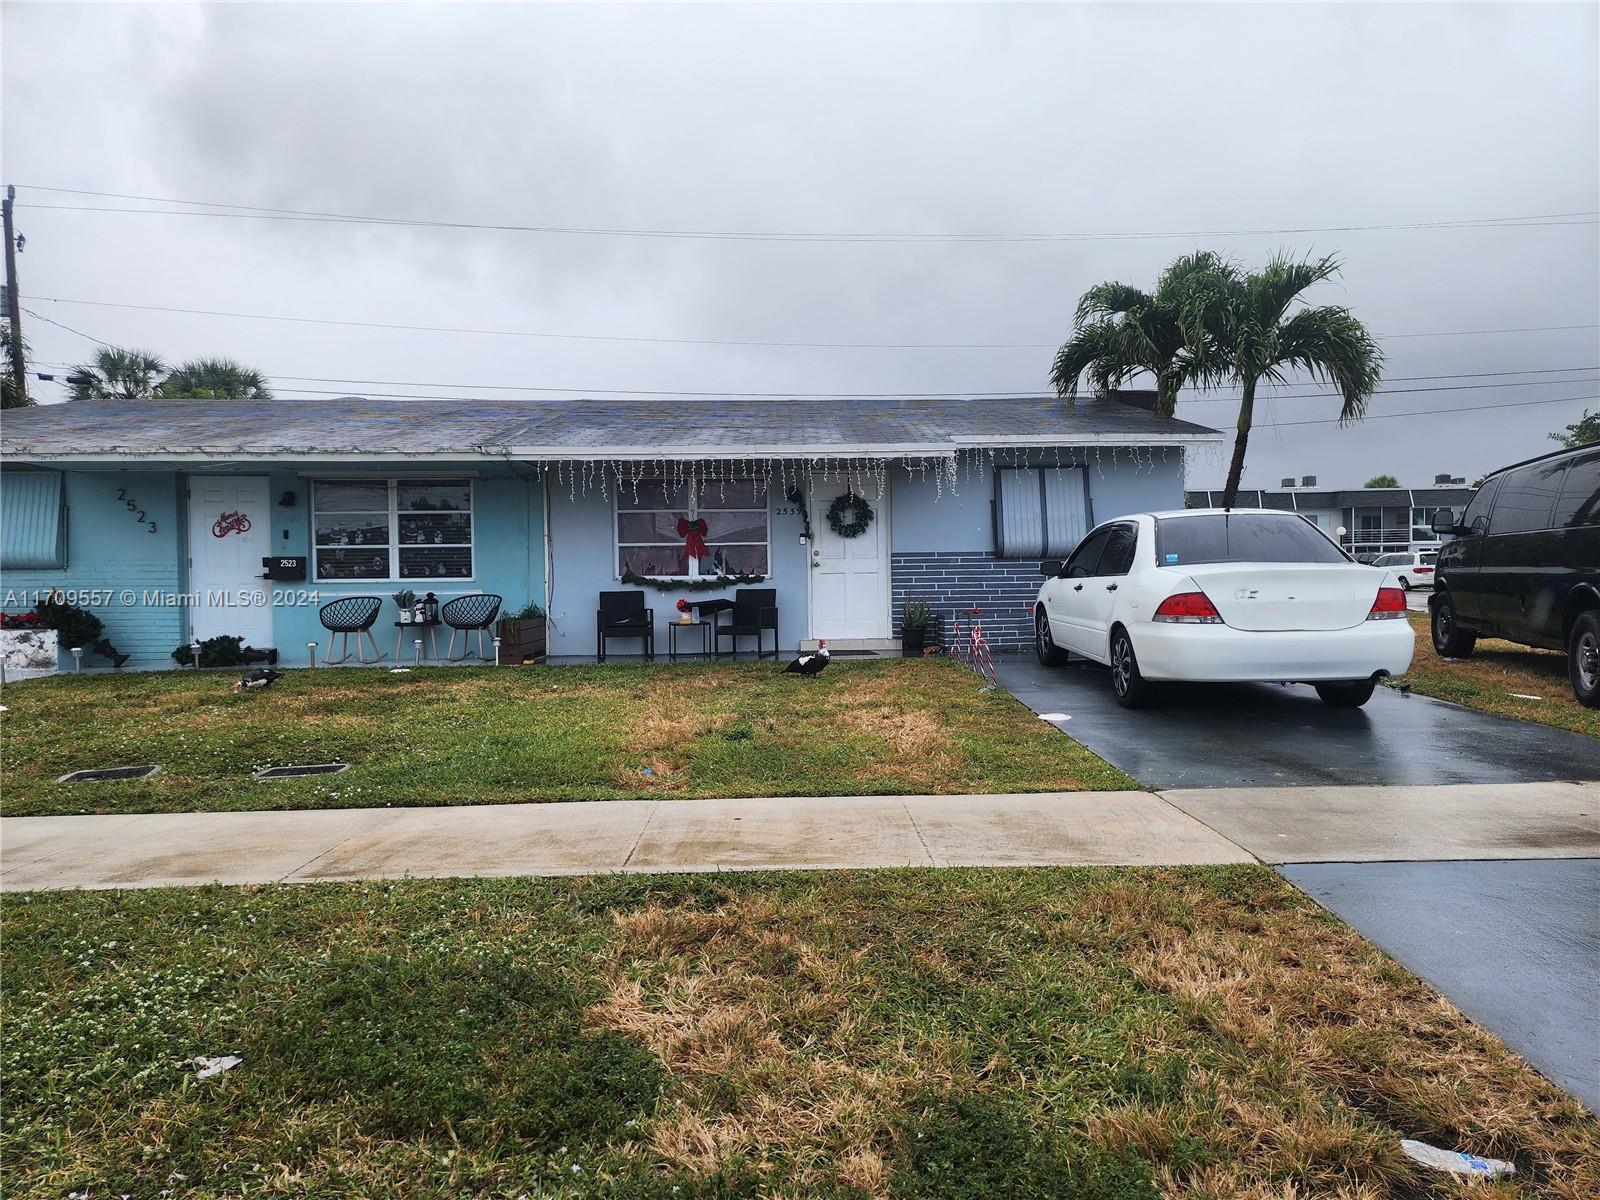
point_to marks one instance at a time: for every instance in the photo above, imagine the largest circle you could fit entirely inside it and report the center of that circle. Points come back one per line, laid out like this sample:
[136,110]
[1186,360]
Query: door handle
[1111,587]
[1077,587]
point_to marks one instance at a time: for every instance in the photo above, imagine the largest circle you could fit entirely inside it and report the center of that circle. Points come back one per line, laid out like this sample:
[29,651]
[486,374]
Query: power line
[596,337]
[1429,412]
[260,212]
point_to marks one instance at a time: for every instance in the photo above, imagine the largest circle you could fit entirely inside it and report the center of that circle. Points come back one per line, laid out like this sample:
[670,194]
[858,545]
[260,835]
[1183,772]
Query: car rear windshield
[1241,537]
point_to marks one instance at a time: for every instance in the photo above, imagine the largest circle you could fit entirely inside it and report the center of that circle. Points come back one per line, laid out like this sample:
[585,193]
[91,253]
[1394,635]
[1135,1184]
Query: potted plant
[914,628]
[405,598]
[522,636]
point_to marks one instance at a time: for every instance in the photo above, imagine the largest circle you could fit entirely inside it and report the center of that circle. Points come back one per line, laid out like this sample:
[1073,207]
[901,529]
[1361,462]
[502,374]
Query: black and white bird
[254,681]
[810,664]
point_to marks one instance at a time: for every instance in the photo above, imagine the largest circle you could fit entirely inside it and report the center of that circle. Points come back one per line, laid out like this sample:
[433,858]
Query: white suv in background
[1413,568]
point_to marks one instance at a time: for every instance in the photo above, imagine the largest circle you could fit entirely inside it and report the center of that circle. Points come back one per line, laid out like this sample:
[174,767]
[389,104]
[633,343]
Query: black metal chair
[467,615]
[754,611]
[624,615]
[347,615]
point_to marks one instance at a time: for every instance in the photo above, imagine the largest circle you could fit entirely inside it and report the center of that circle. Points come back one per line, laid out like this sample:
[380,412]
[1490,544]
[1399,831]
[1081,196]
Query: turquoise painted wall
[508,560]
[135,571]
[116,567]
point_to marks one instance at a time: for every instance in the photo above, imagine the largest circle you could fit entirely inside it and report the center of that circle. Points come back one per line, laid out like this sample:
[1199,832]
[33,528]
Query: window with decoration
[392,529]
[662,527]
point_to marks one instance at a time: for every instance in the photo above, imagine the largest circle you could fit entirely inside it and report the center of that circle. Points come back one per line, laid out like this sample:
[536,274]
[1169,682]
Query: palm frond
[1278,284]
[1090,344]
[1331,345]
[1109,300]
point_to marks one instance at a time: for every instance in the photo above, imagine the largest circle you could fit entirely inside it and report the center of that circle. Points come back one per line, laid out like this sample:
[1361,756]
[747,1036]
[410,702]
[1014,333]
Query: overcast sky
[1124,119]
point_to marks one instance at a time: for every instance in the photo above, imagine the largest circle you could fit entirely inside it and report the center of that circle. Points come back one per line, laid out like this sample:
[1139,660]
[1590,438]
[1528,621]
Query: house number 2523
[133,507]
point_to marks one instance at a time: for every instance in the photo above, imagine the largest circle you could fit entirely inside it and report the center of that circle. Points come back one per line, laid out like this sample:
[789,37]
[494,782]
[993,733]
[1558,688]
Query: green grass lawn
[1499,677]
[486,736]
[905,1034]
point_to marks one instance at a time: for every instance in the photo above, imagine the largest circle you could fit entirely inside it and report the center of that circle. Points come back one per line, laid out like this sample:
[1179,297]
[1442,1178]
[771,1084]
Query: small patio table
[704,628]
[430,648]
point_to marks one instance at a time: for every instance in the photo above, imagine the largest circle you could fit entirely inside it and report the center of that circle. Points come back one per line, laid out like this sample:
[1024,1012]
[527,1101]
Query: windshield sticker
[1171,558]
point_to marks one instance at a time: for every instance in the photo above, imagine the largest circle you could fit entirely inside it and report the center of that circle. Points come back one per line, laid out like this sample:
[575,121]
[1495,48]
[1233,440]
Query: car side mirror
[1443,522]
[1050,568]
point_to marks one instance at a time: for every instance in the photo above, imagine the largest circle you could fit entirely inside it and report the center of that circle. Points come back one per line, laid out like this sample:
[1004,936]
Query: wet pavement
[1281,735]
[1516,946]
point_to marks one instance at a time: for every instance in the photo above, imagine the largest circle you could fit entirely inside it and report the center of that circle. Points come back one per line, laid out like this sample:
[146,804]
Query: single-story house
[1375,520]
[166,517]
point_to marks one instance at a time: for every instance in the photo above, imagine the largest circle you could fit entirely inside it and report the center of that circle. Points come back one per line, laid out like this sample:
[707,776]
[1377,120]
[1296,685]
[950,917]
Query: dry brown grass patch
[1312,1010]
[757,1027]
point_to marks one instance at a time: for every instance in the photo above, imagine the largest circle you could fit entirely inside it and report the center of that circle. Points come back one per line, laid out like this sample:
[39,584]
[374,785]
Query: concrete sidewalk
[1042,829]
[1217,825]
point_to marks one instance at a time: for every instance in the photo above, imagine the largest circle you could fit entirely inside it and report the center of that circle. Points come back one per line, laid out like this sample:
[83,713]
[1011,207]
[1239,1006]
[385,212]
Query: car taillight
[1391,603]
[1424,570]
[1188,608]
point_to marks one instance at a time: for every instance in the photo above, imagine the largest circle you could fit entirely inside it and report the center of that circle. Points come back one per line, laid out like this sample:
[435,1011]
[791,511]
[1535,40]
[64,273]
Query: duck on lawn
[810,664]
[255,681]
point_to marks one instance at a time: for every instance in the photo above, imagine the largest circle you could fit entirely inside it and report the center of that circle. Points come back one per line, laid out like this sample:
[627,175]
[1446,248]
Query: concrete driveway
[1445,835]
[1281,735]
[1516,946]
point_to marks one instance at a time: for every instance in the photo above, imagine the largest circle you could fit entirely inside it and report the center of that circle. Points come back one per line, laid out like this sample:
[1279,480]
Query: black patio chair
[624,615]
[347,615]
[467,615]
[754,611]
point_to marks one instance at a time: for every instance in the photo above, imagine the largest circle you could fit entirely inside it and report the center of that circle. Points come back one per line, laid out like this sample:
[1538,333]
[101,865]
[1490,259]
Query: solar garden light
[497,652]
[77,660]
[195,646]
[311,650]
[418,644]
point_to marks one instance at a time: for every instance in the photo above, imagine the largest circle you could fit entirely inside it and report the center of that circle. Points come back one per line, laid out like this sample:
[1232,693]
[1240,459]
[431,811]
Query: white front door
[849,576]
[230,533]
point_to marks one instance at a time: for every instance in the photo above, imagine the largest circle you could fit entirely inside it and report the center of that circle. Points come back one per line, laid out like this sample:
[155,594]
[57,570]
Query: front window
[392,528]
[1241,537]
[652,529]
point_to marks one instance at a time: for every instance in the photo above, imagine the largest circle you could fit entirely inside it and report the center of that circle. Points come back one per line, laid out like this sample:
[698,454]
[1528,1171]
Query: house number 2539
[133,507]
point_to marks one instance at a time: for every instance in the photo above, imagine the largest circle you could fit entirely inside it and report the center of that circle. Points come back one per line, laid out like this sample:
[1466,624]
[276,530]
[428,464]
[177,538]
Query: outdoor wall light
[286,500]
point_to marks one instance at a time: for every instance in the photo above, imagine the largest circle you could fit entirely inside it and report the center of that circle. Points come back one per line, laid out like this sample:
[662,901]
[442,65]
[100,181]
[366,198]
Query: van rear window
[1241,537]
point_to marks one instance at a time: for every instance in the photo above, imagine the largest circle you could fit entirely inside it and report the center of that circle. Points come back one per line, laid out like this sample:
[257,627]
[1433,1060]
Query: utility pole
[19,370]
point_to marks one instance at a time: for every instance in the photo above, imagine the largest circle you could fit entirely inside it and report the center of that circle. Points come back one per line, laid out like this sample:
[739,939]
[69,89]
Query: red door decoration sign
[230,522]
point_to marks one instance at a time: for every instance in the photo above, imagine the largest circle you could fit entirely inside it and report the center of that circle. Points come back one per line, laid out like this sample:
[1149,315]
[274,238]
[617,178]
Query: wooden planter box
[521,641]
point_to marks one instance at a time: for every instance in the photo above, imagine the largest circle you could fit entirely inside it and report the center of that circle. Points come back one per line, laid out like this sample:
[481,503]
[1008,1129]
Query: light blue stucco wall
[109,553]
[508,560]
[107,550]
[928,519]
[583,555]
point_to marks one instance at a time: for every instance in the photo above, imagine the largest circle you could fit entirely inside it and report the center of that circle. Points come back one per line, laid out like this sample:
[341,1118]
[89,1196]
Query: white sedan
[1213,595]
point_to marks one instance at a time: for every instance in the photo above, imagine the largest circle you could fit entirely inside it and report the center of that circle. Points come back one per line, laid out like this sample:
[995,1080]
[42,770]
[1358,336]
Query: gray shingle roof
[570,428]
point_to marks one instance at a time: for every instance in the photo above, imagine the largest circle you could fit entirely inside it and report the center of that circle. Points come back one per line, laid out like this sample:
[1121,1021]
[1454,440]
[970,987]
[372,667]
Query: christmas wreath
[849,515]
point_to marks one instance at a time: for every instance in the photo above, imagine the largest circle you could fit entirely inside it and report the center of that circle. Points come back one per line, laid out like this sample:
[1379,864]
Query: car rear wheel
[1127,683]
[1346,695]
[1449,639]
[1050,654]
[1583,659]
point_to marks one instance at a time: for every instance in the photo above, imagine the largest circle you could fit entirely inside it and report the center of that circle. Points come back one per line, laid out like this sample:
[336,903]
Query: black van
[1525,564]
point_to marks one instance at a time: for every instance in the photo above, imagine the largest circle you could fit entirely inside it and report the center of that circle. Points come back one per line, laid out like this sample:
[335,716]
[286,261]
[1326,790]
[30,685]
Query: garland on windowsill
[691,585]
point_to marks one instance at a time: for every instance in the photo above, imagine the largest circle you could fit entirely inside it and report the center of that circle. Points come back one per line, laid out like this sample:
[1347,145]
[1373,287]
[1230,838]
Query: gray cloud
[1070,119]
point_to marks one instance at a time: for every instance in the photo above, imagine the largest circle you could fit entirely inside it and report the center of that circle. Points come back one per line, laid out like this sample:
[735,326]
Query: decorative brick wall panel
[951,583]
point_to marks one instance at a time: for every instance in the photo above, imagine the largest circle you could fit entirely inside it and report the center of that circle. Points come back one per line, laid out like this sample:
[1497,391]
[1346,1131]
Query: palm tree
[1208,323]
[117,375]
[215,379]
[1120,332]
[10,395]
[1244,321]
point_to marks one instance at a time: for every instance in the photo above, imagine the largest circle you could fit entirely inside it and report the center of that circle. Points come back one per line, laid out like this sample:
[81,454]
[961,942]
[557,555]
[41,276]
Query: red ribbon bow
[693,534]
